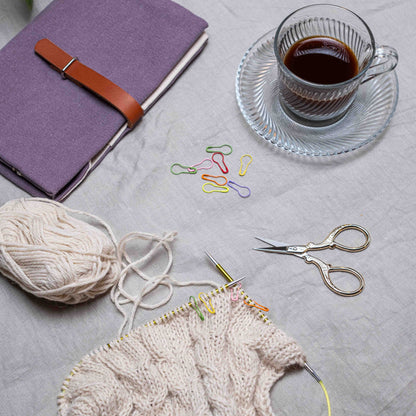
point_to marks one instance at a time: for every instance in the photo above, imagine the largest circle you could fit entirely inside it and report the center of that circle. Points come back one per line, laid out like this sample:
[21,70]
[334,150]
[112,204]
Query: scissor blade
[280,250]
[276,244]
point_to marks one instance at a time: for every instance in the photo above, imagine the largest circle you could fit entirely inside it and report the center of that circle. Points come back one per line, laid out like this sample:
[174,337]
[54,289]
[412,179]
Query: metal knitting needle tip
[211,258]
[312,372]
[235,281]
[220,268]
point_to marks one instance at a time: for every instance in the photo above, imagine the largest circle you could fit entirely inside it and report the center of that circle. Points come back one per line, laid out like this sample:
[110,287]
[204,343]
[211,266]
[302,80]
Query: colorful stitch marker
[195,307]
[234,292]
[199,167]
[215,149]
[222,165]
[233,185]
[221,189]
[186,169]
[242,171]
[203,297]
[209,178]
[254,304]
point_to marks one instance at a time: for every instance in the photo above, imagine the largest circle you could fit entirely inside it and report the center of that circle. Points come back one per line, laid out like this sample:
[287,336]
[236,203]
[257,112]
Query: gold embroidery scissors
[325,268]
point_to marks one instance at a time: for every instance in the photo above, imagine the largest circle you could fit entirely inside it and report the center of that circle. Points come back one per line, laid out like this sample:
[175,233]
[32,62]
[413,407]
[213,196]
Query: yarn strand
[119,294]
[53,255]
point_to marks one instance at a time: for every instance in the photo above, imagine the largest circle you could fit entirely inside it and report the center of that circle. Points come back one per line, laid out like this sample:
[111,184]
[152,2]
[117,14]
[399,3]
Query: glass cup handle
[385,60]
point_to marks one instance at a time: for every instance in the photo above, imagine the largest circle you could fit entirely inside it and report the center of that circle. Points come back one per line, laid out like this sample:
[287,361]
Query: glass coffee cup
[324,53]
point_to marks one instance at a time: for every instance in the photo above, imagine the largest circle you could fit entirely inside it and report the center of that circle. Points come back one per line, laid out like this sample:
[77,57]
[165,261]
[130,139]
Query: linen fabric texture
[183,366]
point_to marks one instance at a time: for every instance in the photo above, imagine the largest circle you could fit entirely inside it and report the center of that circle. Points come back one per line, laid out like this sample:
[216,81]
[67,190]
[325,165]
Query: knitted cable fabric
[183,366]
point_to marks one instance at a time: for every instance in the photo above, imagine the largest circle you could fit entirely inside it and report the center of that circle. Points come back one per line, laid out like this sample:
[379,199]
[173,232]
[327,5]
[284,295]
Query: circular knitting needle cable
[321,383]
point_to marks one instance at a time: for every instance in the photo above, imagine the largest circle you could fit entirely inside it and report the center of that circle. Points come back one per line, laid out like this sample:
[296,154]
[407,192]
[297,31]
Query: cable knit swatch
[183,366]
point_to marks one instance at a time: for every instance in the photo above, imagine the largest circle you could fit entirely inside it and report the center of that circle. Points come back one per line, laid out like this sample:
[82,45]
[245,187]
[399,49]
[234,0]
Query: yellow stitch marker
[240,172]
[222,189]
[203,298]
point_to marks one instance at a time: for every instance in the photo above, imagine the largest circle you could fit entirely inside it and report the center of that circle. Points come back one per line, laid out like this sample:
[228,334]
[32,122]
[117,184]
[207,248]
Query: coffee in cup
[324,52]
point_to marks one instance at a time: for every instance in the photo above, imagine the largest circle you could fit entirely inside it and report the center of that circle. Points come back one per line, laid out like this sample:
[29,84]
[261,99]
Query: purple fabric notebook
[53,132]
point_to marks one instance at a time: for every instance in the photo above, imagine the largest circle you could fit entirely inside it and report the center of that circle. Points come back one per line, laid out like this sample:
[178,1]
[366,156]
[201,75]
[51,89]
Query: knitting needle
[219,267]
[313,373]
[223,271]
[234,282]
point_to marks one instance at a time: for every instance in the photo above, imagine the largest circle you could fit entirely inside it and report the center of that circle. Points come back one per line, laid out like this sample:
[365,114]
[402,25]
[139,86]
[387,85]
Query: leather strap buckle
[67,66]
[71,68]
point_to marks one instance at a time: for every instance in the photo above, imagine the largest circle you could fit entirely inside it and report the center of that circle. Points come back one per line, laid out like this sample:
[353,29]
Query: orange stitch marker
[209,178]
[254,304]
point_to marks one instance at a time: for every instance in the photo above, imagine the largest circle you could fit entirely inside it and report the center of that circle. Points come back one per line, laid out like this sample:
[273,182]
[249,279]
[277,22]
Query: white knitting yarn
[52,254]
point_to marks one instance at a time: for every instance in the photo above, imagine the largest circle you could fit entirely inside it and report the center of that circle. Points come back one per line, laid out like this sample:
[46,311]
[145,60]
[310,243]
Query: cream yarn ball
[53,255]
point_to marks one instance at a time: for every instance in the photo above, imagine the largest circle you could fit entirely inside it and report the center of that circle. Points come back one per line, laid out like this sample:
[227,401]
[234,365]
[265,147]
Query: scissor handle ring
[342,292]
[326,269]
[330,242]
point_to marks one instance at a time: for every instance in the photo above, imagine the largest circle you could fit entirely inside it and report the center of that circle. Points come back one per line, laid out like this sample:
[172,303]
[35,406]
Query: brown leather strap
[79,73]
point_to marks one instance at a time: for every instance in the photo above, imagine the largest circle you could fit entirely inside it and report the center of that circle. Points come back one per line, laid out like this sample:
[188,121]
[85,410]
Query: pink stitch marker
[234,293]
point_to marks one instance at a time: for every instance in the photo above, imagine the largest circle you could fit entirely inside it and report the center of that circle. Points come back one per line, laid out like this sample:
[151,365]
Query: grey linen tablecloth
[362,347]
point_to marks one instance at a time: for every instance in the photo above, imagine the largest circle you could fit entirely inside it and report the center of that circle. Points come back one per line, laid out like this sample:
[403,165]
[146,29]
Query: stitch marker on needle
[234,282]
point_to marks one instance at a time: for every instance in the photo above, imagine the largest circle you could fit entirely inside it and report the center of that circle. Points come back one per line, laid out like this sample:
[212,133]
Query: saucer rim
[269,37]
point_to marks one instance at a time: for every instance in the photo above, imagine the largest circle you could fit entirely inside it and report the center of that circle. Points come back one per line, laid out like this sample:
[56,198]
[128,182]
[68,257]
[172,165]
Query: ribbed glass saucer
[257,92]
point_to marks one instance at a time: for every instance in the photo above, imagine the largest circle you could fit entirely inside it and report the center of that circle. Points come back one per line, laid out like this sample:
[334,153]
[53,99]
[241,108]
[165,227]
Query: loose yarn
[53,255]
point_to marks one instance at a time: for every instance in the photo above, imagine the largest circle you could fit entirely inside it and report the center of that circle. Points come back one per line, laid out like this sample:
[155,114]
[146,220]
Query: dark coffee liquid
[322,60]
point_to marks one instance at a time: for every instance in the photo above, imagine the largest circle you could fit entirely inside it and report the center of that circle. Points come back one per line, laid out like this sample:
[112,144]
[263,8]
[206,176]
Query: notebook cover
[50,128]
